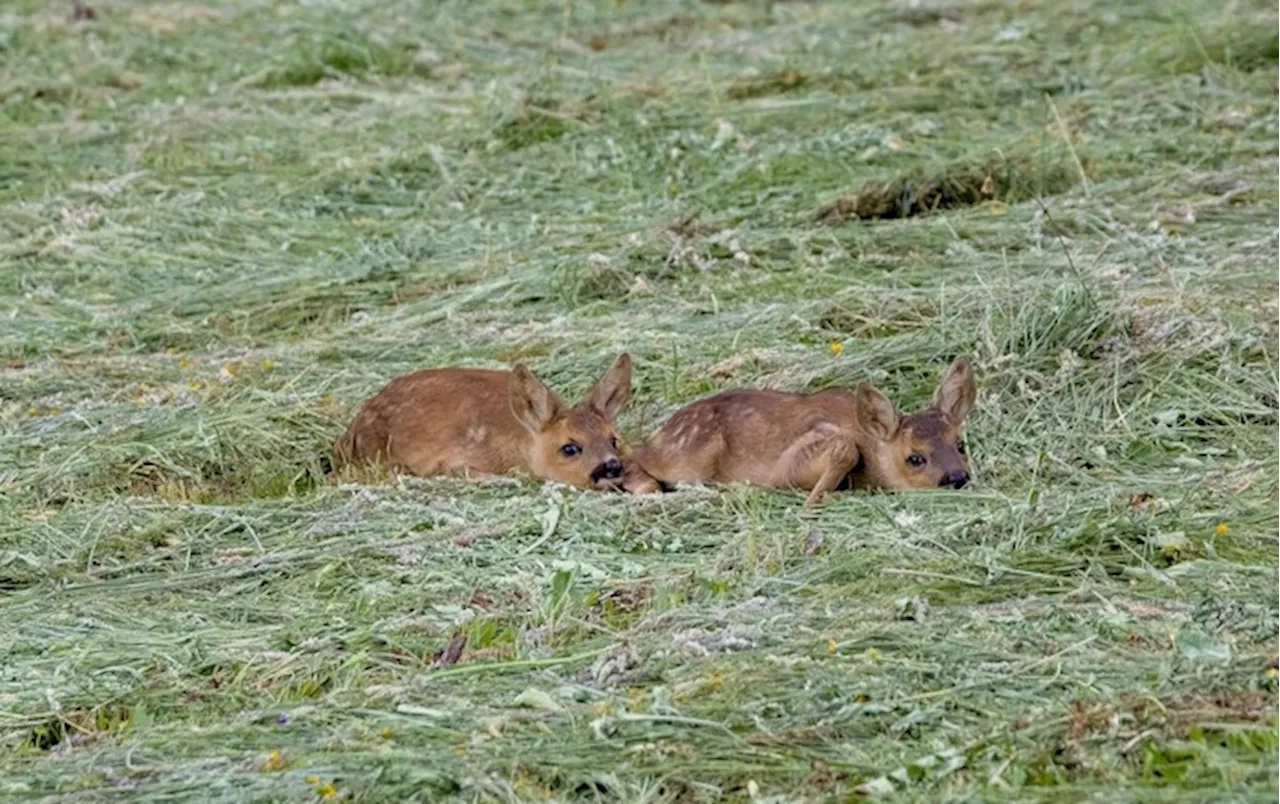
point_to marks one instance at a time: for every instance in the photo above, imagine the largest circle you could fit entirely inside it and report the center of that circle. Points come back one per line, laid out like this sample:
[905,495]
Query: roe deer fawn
[473,423]
[817,442]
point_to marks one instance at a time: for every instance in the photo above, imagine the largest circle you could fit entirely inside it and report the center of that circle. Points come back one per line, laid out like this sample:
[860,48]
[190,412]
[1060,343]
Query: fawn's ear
[956,392]
[533,404]
[610,394]
[876,414]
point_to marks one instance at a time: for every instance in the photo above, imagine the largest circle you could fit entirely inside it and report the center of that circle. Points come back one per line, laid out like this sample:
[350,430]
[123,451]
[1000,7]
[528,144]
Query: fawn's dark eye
[916,460]
[570,450]
[960,446]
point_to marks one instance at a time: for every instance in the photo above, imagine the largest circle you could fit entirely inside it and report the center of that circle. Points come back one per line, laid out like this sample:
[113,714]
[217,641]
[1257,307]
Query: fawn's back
[439,421]
[477,422]
[740,436]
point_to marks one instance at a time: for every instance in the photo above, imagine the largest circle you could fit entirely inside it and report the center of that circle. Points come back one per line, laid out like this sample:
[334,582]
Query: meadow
[225,223]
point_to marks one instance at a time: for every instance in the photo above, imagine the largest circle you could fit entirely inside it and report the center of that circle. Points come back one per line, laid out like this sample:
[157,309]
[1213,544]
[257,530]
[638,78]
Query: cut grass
[225,225]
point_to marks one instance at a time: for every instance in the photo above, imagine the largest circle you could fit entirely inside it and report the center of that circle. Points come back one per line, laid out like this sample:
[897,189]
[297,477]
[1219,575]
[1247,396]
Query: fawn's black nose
[956,480]
[609,470]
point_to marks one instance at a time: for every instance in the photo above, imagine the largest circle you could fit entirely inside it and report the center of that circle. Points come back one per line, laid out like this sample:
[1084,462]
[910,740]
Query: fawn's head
[922,450]
[574,445]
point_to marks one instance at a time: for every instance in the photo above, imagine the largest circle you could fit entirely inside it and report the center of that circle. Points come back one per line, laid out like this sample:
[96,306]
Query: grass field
[224,224]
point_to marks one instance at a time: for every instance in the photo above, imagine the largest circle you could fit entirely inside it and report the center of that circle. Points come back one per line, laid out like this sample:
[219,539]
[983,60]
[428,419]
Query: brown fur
[473,423]
[816,442]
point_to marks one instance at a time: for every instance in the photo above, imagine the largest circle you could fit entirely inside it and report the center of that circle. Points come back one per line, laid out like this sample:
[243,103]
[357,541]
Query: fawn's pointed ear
[610,394]
[957,391]
[533,404]
[876,414]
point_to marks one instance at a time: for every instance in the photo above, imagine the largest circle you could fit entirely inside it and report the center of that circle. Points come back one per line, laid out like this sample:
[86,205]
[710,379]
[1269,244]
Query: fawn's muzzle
[609,470]
[955,480]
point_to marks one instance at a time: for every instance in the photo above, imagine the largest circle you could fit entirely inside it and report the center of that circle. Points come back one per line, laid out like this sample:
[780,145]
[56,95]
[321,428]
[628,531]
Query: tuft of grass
[336,55]
[776,84]
[1236,46]
[1006,180]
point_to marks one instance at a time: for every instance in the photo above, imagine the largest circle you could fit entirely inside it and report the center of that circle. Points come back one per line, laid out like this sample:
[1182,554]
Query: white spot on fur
[688,434]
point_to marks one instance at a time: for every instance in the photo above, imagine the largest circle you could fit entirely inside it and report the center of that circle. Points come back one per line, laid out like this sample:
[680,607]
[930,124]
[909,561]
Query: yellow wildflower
[275,761]
[837,348]
[1223,529]
[831,646]
[326,790]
